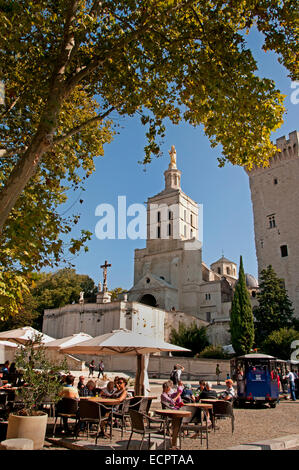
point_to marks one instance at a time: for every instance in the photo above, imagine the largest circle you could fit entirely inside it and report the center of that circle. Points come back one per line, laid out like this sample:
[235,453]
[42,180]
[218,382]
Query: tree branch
[81,126]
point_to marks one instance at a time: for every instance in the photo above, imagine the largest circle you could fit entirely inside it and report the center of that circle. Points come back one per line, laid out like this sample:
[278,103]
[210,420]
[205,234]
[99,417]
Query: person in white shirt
[229,393]
[291,378]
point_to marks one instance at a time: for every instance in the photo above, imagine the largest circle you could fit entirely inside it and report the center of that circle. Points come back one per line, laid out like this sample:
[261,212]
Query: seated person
[68,391]
[168,398]
[12,368]
[229,393]
[108,390]
[89,389]
[81,385]
[200,389]
[187,394]
[5,370]
[121,390]
[208,392]
[176,393]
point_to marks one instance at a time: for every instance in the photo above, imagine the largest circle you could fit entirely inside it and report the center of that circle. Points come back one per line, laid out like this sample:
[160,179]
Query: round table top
[104,401]
[211,400]
[200,405]
[180,413]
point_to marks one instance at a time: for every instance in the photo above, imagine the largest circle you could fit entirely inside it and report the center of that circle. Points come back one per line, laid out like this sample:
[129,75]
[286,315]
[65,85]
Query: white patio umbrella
[23,334]
[128,343]
[68,341]
[8,344]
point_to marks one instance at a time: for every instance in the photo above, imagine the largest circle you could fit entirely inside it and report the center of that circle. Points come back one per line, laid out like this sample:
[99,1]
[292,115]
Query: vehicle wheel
[272,404]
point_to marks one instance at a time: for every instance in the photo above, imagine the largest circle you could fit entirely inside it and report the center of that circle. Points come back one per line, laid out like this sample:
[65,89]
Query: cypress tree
[242,321]
[275,308]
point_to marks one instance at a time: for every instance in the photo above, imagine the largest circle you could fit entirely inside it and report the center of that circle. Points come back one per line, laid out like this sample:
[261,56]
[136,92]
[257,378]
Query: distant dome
[251,281]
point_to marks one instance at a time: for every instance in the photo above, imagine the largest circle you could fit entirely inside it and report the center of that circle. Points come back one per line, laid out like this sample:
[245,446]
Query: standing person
[218,372]
[91,368]
[101,369]
[176,373]
[291,377]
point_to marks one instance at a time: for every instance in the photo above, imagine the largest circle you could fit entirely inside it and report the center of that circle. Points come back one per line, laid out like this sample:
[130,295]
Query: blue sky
[224,192]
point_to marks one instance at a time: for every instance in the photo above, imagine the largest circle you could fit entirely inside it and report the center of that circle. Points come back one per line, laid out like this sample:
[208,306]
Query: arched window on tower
[158,232]
[169,230]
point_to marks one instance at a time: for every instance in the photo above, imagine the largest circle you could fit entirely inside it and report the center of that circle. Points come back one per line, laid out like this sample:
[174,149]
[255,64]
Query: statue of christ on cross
[105,266]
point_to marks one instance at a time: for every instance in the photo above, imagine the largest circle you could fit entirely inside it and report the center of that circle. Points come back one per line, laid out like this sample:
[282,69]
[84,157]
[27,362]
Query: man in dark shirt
[208,392]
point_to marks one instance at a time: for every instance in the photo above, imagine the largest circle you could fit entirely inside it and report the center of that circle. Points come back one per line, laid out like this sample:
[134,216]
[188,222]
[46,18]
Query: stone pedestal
[103,297]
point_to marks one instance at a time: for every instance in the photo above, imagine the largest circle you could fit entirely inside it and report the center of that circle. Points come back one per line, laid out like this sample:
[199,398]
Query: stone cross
[105,266]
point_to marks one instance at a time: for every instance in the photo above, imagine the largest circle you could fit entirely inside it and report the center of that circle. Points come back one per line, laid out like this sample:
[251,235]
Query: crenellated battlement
[289,150]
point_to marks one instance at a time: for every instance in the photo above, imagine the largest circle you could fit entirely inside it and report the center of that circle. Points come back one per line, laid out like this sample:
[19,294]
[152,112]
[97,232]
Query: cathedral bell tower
[168,271]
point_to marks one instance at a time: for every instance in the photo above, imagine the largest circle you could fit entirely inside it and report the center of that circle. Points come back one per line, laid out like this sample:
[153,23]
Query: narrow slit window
[284,251]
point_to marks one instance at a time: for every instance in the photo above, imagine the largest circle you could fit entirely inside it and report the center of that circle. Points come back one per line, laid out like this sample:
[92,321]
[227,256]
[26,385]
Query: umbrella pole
[138,385]
[141,380]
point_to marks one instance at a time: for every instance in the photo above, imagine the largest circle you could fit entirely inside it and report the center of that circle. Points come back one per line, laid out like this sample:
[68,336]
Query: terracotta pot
[28,427]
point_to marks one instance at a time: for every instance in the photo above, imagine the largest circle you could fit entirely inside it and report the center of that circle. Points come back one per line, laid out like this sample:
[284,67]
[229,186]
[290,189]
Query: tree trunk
[30,159]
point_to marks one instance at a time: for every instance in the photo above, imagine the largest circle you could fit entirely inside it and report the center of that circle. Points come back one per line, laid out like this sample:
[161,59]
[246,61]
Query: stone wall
[160,366]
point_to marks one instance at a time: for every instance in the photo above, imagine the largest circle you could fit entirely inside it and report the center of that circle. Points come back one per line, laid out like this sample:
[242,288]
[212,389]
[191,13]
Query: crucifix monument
[103,295]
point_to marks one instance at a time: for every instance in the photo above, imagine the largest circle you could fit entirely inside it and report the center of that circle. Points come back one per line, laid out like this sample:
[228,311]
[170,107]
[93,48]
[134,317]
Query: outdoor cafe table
[176,419]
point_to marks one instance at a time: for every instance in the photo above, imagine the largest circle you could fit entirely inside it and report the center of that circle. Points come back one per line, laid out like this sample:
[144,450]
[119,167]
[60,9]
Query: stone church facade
[275,201]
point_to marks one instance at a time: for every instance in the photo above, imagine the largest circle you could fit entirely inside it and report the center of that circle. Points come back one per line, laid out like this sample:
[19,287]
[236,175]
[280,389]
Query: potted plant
[42,380]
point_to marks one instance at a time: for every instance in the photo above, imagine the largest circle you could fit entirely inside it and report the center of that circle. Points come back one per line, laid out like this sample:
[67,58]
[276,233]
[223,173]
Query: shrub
[278,343]
[213,352]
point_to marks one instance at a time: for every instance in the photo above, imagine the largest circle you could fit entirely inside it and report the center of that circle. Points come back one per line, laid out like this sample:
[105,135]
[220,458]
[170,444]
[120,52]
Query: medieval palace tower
[275,200]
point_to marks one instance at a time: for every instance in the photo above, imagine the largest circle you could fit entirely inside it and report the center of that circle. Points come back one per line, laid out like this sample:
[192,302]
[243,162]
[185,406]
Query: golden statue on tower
[172,153]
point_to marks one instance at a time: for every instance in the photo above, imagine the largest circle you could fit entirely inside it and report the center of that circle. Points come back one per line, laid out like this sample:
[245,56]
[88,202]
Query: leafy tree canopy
[278,343]
[275,308]
[116,292]
[50,290]
[242,321]
[190,337]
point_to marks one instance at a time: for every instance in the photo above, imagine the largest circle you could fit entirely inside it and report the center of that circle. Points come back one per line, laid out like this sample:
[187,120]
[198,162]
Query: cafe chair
[3,402]
[122,414]
[192,423]
[48,405]
[90,413]
[142,424]
[223,409]
[66,408]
